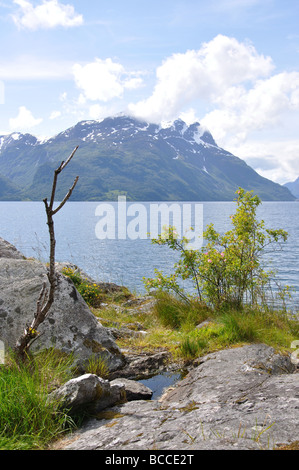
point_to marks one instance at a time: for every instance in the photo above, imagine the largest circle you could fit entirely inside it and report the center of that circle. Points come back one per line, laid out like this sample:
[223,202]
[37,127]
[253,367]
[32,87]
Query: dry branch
[46,296]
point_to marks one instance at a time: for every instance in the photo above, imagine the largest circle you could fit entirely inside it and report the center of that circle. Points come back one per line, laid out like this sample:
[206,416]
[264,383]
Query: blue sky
[232,65]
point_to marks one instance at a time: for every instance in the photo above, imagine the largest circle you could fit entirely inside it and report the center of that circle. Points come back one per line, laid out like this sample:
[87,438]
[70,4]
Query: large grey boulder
[241,398]
[7,250]
[70,326]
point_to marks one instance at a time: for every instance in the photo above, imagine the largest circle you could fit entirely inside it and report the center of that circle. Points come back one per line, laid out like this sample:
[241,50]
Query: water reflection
[158,383]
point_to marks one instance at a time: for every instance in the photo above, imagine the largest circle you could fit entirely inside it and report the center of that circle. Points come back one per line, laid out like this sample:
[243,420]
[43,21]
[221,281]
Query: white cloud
[133,83]
[244,120]
[241,111]
[103,80]
[63,96]
[189,116]
[55,115]
[24,120]
[99,80]
[97,111]
[49,14]
[205,74]
[275,160]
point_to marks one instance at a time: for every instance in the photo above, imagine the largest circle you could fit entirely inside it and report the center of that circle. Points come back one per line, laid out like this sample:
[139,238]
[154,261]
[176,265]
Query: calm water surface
[127,261]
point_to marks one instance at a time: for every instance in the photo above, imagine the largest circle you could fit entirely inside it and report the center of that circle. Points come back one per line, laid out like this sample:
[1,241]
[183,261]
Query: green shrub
[75,276]
[90,292]
[228,269]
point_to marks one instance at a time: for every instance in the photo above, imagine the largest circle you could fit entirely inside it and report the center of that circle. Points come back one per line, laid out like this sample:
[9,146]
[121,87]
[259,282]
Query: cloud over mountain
[24,120]
[103,80]
[208,74]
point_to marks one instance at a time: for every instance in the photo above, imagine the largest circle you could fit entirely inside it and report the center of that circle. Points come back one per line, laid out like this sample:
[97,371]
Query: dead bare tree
[46,296]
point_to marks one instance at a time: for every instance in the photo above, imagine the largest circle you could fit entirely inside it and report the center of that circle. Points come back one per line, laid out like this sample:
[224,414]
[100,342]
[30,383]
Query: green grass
[97,366]
[28,420]
[176,314]
[173,325]
[274,328]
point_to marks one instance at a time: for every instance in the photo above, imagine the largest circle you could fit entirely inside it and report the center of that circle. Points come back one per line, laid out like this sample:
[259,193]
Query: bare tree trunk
[46,297]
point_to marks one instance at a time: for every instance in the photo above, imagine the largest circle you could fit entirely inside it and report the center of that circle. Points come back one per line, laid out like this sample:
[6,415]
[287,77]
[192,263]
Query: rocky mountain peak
[124,155]
[15,139]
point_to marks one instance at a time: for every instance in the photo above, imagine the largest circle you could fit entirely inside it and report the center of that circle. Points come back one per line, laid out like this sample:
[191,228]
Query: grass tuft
[28,420]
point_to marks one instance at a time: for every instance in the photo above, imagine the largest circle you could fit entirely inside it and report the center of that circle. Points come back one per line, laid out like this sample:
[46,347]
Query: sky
[231,65]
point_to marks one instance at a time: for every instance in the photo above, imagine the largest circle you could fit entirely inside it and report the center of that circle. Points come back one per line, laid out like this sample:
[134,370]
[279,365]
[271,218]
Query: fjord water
[126,261]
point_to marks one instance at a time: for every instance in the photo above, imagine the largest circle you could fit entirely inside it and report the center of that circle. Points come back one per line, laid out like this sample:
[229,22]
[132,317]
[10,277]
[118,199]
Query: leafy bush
[228,269]
[75,276]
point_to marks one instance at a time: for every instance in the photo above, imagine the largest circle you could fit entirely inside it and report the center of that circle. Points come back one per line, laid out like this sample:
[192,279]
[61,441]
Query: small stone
[134,390]
[204,324]
[90,391]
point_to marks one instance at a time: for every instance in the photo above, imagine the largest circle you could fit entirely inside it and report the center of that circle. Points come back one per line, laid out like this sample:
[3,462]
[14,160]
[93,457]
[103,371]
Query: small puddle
[158,383]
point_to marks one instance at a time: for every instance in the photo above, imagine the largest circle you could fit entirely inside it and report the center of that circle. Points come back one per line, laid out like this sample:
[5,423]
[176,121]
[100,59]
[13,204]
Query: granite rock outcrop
[69,327]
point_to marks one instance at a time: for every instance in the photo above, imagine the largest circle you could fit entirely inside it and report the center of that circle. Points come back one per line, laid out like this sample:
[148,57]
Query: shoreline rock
[70,326]
[242,398]
[139,366]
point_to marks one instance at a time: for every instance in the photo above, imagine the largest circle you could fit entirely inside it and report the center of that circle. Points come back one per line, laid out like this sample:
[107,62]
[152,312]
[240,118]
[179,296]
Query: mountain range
[293,187]
[124,156]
